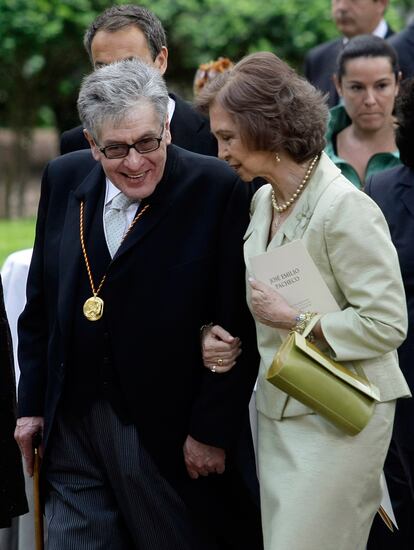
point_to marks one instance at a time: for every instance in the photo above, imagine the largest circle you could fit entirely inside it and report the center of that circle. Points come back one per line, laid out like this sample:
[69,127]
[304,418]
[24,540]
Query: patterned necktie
[116,222]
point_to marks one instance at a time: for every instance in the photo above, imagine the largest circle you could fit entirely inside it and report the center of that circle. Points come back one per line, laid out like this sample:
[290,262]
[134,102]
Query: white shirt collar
[171,108]
[381,31]
[111,191]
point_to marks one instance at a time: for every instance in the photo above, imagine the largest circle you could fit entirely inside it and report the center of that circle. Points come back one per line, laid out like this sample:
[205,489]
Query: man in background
[403,42]
[130,31]
[352,17]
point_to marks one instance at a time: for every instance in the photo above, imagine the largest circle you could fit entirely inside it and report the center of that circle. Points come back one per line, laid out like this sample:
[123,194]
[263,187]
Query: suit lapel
[337,46]
[70,258]
[159,203]
[389,32]
[407,197]
[154,212]
[298,221]
[184,119]
[257,234]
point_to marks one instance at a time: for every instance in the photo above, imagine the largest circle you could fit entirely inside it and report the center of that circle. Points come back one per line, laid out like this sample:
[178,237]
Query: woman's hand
[270,308]
[219,349]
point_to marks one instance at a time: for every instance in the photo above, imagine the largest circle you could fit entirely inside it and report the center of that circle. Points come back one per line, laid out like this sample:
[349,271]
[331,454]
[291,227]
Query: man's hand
[219,348]
[26,428]
[201,459]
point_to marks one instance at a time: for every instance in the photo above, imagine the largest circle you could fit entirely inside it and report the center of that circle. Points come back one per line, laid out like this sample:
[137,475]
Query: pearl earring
[277,157]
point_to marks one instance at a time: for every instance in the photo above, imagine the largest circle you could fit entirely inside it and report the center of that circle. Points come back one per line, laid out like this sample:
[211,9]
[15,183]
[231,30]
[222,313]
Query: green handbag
[302,371]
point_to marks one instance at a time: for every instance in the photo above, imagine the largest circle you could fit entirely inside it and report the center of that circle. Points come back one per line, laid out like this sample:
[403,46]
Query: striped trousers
[104,492]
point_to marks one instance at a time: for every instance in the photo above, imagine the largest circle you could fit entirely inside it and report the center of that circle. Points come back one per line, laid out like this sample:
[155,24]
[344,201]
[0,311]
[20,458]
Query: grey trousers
[104,492]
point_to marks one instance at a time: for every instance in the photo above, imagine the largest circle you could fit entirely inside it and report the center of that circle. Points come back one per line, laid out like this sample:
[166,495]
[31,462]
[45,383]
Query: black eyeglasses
[121,150]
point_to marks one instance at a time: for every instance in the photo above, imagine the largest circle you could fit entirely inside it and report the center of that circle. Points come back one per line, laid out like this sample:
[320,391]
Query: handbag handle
[310,326]
[308,329]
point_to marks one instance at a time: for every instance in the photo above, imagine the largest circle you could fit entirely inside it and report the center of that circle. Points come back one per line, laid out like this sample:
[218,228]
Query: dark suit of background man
[12,497]
[403,42]
[393,191]
[352,17]
[139,437]
[130,31]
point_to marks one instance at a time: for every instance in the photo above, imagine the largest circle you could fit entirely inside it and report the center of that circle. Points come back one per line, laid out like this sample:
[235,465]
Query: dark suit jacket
[189,130]
[403,42]
[12,497]
[180,267]
[393,191]
[320,65]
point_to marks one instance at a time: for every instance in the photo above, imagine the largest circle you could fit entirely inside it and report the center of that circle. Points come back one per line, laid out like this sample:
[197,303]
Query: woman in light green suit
[320,488]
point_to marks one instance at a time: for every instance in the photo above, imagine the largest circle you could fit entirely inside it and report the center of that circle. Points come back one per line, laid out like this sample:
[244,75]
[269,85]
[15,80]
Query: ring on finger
[220,362]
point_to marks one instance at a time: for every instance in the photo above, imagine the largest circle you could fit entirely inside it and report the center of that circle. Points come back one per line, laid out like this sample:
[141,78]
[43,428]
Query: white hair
[113,91]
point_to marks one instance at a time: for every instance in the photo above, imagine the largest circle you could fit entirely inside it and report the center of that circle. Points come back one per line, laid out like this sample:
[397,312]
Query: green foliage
[225,27]
[43,59]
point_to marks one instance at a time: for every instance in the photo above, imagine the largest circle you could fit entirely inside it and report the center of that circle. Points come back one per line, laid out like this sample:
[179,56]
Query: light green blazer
[348,239]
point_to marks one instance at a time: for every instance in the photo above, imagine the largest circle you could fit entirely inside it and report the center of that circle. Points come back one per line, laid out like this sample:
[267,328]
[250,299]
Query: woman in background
[361,131]
[320,488]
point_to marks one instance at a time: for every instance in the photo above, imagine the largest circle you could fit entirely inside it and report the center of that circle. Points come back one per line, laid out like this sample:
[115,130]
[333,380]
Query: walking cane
[38,516]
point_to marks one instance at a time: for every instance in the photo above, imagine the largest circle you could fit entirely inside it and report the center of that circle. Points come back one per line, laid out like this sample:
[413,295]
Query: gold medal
[93,308]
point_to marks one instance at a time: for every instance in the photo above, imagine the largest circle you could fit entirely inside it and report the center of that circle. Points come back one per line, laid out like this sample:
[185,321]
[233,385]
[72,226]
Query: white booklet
[291,271]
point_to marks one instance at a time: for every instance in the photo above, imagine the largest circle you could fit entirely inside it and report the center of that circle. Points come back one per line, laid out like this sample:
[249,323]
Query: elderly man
[352,17]
[130,31]
[137,246]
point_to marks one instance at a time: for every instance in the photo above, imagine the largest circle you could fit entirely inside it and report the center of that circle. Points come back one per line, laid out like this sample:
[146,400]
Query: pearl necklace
[284,206]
